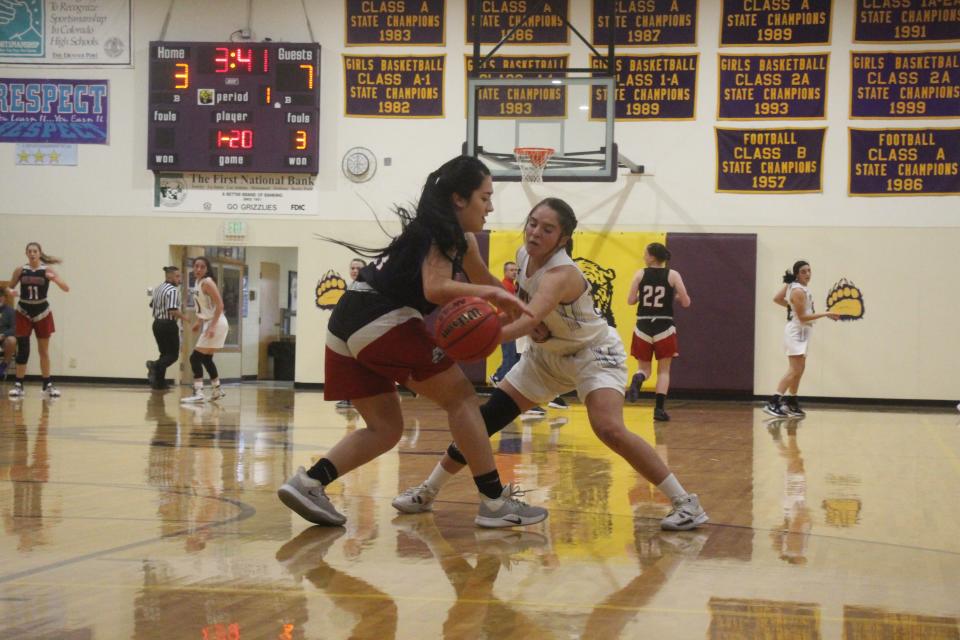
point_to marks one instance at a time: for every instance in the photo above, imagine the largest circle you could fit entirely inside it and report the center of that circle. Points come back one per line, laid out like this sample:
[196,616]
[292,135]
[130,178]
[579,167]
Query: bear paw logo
[330,289]
[601,287]
[846,299]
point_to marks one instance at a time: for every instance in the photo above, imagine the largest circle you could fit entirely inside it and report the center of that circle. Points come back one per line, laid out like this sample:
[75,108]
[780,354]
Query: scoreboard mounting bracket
[234,106]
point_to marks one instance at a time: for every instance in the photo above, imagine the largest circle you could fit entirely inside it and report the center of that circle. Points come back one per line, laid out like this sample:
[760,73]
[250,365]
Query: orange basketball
[468,329]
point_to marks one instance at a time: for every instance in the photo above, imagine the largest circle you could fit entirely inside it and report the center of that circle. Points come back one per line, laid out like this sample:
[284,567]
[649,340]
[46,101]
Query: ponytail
[658,251]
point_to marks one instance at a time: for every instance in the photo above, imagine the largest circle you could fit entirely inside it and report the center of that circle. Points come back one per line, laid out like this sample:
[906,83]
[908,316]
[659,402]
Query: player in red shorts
[653,290]
[376,339]
[34,315]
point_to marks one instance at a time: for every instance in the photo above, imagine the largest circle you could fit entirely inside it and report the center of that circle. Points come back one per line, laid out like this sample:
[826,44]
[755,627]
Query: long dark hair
[565,216]
[202,259]
[44,258]
[658,251]
[434,217]
[791,276]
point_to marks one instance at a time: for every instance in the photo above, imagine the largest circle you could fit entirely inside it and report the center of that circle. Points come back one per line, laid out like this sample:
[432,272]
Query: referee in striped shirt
[166,328]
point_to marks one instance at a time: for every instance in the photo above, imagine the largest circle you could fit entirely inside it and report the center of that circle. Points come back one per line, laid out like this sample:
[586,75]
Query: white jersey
[807,304]
[572,326]
[205,305]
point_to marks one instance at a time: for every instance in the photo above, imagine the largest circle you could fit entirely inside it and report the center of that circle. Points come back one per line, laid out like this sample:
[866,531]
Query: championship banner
[771,87]
[414,22]
[650,23]
[775,22]
[608,260]
[501,16]
[770,160]
[521,102]
[92,32]
[918,84]
[906,21]
[235,193]
[904,162]
[55,111]
[649,87]
[393,86]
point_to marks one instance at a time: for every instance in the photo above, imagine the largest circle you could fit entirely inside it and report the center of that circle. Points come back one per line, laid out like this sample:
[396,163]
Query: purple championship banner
[393,86]
[500,16]
[521,102]
[770,160]
[648,23]
[649,87]
[916,84]
[378,23]
[54,111]
[906,21]
[771,87]
[775,22]
[904,162]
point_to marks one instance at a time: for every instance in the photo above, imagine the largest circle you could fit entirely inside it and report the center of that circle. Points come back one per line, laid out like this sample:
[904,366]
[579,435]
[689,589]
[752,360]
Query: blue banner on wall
[395,23]
[775,22]
[918,84]
[649,23]
[906,21]
[786,87]
[393,86]
[56,111]
[649,87]
[904,162]
[770,160]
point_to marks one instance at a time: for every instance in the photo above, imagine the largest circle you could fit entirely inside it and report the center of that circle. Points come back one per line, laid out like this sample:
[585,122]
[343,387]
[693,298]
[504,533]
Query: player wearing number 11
[655,287]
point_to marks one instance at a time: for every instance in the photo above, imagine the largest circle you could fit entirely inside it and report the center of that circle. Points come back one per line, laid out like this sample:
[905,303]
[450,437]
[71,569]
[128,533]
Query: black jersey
[33,289]
[655,295]
[398,276]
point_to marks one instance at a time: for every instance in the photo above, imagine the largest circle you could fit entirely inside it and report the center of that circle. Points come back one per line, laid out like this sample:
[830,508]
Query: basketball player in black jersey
[376,339]
[34,315]
[653,290]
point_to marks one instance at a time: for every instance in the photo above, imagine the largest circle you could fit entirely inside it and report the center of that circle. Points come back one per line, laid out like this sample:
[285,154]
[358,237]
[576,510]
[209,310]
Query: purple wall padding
[716,334]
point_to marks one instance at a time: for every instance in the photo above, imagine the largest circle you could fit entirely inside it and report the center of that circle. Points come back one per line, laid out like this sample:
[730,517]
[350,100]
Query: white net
[532,161]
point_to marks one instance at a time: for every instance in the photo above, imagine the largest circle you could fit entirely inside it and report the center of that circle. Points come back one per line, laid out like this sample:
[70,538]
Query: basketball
[468,329]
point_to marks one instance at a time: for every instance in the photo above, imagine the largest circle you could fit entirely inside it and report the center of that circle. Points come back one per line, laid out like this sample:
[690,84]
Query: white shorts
[541,375]
[219,335]
[796,339]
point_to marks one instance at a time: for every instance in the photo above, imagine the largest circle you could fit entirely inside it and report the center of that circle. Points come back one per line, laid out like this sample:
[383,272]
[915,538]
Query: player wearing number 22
[34,315]
[573,348]
[376,338]
[653,290]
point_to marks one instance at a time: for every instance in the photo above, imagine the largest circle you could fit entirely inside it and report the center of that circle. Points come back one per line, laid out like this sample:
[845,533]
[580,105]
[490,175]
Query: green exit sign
[235,229]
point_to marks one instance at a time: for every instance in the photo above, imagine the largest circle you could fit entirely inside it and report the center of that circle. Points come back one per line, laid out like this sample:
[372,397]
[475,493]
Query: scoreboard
[234,106]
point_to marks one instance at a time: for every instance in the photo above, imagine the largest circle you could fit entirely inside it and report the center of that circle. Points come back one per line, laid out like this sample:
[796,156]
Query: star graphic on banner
[24,156]
[38,157]
[54,157]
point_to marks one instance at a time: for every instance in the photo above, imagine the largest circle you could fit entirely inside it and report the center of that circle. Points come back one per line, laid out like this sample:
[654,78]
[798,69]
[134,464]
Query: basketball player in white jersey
[796,297]
[573,348]
[213,328]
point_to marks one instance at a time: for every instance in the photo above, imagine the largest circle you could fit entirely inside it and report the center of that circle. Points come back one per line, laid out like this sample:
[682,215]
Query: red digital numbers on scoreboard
[234,107]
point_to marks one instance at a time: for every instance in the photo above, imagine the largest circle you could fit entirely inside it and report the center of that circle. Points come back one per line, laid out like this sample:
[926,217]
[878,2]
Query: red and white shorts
[655,337]
[392,348]
[42,325]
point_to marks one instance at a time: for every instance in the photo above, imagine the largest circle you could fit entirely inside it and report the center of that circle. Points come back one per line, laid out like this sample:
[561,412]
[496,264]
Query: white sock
[198,388]
[671,487]
[438,477]
[216,382]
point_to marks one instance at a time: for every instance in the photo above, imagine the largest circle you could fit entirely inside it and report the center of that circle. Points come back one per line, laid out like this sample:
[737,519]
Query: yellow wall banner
[608,260]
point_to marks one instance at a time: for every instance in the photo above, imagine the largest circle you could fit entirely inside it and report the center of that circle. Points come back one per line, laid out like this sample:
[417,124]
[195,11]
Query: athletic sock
[438,477]
[671,487]
[489,484]
[46,382]
[661,398]
[323,471]
[18,381]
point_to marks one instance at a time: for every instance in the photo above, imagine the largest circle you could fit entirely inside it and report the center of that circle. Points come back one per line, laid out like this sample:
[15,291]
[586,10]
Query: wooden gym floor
[126,515]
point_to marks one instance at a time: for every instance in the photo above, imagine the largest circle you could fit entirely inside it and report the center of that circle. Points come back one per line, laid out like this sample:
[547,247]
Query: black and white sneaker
[775,410]
[793,409]
[558,403]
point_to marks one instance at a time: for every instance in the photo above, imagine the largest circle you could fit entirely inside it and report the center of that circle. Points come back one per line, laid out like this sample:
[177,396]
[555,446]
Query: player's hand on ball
[508,303]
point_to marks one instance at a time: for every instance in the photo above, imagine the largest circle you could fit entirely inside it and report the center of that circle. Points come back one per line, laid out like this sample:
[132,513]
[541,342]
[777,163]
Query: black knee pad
[196,365]
[23,350]
[499,411]
[210,366]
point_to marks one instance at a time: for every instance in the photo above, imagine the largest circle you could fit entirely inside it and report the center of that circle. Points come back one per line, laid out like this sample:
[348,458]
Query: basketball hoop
[532,161]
